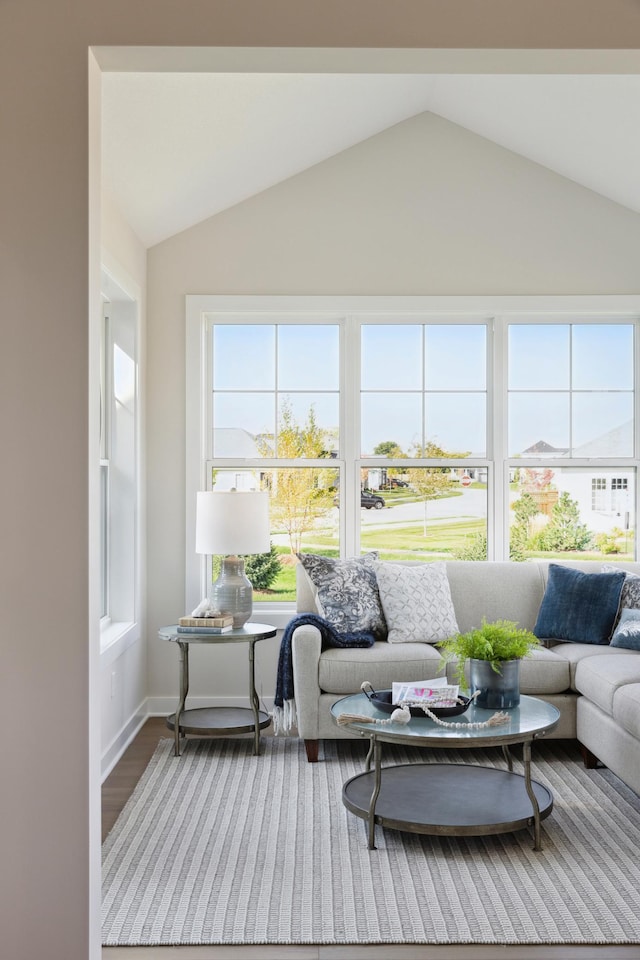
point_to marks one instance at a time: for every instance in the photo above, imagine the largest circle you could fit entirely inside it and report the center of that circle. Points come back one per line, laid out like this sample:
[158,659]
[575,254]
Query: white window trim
[116,635]
[499,311]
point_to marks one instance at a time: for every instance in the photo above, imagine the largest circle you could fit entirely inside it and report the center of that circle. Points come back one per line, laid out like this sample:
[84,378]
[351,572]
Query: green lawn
[441,539]
[407,543]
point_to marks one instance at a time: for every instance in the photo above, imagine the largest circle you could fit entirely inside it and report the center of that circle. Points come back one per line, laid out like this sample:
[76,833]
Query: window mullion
[498,490]
[350,380]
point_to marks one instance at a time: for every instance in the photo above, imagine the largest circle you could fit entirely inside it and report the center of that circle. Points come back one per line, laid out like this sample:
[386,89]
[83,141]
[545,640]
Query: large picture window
[423,428]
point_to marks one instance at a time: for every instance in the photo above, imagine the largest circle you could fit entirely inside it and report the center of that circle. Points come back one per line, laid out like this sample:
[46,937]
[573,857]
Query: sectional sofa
[595,686]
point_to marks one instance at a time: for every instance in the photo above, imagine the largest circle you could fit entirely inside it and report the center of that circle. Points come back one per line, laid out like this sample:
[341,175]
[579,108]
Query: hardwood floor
[117,789]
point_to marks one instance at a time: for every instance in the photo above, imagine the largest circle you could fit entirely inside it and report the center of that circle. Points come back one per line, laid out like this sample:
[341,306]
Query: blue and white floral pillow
[630,596]
[347,592]
[627,633]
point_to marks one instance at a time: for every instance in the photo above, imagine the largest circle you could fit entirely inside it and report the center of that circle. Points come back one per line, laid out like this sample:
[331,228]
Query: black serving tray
[382,700]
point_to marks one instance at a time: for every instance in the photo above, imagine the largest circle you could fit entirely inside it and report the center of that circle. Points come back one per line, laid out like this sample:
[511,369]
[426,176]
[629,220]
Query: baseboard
[163,706]
[120,742]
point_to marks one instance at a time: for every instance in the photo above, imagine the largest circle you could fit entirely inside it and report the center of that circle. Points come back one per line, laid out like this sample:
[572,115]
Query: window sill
[115,638]
[276,617]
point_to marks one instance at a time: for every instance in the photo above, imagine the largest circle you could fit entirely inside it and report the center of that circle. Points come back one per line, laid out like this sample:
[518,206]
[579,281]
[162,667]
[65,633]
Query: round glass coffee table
[449,798]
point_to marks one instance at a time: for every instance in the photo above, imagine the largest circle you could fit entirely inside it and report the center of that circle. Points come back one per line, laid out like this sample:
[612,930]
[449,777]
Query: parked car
[394,482]
[367,500]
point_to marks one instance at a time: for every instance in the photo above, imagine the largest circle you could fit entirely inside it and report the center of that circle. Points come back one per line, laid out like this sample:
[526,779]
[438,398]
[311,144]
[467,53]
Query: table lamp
[232,522]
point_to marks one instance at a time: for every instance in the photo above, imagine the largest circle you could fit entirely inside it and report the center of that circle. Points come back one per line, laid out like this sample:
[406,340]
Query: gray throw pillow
[630,596]
[347,592]
[416,601]
[627,633]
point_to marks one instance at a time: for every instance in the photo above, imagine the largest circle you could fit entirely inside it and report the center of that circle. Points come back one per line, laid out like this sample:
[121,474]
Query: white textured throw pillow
[416,601]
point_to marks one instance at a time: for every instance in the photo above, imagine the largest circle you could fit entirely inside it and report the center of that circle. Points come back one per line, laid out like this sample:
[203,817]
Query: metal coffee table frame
[218,721]
[450,799]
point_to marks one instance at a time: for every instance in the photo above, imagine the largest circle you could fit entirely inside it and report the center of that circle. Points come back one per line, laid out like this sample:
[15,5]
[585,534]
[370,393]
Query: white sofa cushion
[626,708]
[600,678]
[343,670]
[416,602]
[544,672]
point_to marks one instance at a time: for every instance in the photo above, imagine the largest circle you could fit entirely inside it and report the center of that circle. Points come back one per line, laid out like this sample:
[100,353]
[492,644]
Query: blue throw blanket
[284,715]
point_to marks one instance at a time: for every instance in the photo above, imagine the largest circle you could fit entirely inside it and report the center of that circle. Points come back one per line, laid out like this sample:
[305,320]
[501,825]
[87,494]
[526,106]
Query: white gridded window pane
[602,424]
[443,520]
[308,357]
[248,385]
[302,503]
[598,493]
[573,511]
[619,495]
[539,356]
[457,422]
[391,417]
[243,424]
[456,357]
[602,357]
[538,424]
[391,357]
[244,356]
[314,418]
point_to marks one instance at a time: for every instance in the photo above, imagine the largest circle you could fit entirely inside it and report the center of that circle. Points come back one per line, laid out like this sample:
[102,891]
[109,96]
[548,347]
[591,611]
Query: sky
[568,383]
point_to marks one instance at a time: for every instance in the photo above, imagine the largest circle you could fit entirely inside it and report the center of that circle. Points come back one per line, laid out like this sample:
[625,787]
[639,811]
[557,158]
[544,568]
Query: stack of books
[222,624]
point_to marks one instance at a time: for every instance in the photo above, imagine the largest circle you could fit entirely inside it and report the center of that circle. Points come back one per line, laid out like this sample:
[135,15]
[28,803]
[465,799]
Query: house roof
[543,448]
[614,443]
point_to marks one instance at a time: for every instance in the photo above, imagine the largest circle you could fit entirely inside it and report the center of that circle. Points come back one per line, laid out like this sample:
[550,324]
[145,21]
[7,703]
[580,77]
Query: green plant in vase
[493,652]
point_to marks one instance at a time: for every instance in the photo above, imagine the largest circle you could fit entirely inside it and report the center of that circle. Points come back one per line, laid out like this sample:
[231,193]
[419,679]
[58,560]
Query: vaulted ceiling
[180,147]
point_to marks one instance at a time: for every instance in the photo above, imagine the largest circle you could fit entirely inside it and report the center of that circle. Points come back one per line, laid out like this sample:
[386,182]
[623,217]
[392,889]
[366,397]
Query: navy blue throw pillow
[579,607]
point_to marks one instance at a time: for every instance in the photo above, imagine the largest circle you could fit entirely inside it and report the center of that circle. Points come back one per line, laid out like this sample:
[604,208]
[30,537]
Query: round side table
[218,721]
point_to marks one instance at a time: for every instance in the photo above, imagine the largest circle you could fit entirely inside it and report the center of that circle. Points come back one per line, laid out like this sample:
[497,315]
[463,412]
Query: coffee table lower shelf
[447,799]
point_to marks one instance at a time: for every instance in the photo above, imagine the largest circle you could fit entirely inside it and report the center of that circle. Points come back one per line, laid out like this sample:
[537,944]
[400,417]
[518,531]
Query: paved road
[472,503]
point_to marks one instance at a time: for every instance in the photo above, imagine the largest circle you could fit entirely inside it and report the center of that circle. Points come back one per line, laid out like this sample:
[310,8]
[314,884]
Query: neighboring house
[235,442]
[605,498]
[544,449]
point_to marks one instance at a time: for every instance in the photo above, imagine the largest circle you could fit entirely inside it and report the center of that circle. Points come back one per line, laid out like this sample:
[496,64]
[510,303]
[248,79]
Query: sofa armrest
[306,647]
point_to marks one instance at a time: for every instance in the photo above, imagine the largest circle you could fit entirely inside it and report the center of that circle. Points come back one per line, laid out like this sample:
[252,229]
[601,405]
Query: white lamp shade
[232,522]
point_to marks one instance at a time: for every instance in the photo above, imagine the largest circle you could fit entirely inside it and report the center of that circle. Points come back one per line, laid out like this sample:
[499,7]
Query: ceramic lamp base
[232,593]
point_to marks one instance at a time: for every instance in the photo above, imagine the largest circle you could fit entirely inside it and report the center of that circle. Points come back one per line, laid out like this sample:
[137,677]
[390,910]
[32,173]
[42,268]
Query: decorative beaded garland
[403,715]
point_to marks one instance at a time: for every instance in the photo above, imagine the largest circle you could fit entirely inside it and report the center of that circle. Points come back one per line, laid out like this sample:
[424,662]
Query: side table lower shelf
[218,721]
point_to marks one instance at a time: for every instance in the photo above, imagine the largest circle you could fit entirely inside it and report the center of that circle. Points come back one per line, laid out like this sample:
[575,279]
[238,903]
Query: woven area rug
[219,846]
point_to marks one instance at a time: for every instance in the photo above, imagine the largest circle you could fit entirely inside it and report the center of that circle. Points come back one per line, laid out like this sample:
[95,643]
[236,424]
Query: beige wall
[48,894]
[423,208]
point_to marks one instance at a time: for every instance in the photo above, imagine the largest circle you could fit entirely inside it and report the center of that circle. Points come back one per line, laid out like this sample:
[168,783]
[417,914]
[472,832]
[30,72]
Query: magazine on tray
[435,693]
